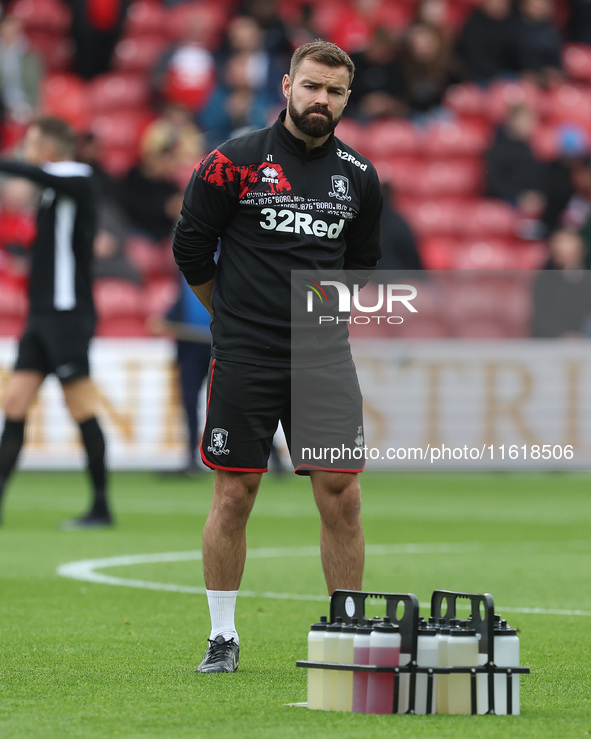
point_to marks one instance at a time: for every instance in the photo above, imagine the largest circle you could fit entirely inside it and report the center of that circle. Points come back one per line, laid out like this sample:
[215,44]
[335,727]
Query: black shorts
[56,343]
[319,408]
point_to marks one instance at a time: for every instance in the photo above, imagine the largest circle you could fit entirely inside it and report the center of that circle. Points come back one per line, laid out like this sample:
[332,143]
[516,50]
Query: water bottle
[345,677]
[506,655]
[316,654]
[462,651]
[427,643]
[331,677]
[442,661]
[384,649]
[360,657]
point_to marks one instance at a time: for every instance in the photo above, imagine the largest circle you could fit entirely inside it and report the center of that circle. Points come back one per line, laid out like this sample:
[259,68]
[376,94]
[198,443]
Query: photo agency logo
[383,306]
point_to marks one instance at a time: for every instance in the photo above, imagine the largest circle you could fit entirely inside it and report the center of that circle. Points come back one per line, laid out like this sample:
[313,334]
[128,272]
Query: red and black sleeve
[209,203]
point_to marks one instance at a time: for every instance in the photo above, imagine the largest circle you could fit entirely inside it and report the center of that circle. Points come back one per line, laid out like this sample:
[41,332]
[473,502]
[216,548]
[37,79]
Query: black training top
[277,208]
[61,256]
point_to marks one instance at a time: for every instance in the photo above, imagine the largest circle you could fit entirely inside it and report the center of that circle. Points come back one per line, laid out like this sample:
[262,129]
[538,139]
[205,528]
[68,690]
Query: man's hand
[203,293]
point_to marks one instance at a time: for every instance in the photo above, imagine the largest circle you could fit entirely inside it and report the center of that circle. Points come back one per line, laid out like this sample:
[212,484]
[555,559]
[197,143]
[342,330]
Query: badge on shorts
[219,437]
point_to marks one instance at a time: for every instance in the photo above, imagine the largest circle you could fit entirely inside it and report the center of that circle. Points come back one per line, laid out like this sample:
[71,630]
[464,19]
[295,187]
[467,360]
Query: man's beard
[314,126]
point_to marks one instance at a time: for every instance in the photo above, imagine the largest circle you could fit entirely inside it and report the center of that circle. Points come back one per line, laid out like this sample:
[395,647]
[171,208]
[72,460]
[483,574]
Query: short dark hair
[323,52]
[62,135]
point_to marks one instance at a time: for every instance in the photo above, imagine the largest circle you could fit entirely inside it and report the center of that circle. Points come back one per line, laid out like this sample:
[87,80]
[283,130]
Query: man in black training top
[277,199]
[62,317]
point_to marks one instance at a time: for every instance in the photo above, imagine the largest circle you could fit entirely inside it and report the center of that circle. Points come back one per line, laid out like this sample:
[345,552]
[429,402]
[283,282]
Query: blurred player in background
[62,316]
[187,321]
[250,192]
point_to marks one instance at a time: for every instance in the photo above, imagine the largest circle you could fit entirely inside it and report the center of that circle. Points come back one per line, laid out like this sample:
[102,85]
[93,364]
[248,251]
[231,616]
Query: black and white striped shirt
[61,259]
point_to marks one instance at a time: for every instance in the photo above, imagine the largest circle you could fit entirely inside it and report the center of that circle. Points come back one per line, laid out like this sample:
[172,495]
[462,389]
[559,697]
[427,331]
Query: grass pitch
[80,659]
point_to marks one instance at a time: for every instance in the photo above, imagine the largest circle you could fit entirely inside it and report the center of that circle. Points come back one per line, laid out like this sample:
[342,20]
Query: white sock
[222,605]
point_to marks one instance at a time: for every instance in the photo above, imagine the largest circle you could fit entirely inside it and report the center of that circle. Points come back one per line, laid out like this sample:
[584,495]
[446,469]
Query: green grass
[79,659]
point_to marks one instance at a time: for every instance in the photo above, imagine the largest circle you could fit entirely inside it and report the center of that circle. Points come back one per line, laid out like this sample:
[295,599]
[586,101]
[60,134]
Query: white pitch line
[86,571]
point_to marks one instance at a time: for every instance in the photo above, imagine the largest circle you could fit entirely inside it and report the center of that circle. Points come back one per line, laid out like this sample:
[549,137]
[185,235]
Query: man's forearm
[203,293]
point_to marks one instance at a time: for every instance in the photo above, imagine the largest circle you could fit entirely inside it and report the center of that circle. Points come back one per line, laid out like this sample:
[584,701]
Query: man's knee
[338,496]
[234,495]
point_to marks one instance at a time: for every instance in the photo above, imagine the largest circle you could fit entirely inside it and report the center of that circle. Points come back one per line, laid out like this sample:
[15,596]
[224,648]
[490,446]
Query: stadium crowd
[476,113]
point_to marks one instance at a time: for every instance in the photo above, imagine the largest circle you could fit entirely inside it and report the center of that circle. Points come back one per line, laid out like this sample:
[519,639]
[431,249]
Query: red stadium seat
[52,16]
[480,254]
[486,298]
[116,92]
[531,255]
[66,96]
[145,19]
[211,17]
[404,172]
[138,54]
[455,138]
[115,298]
[122,327]
[13,299]
[11,325]
[146,256]
[468,101]
[576,59]
[545,142]
[503,94]
[448,178]
[489,218]
[121,130]
[117,161]
[159,295]
[389,138]
[442,217]
[57,53]
[351,132]
[437,252]
[569,104]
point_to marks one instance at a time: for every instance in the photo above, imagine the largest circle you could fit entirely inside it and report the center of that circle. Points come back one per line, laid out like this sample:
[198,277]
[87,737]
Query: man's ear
[286,86]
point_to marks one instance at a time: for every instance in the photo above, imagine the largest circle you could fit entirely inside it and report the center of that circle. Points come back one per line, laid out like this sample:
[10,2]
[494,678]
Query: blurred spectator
[89,152]
[573,147]
[150,197]
[379,83]
[96,27]
[110,259]
[21,72]
[428,67]
[302,30]
[185,74]
[235,107]
[399,244]
[562,293]
[578,211]
[514,173]
[188,141]
[355,24]
[245,39]
[487,45]
[187,322]
[17,228]
[539,42]
[434,13]
[275,34]
[579,25]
